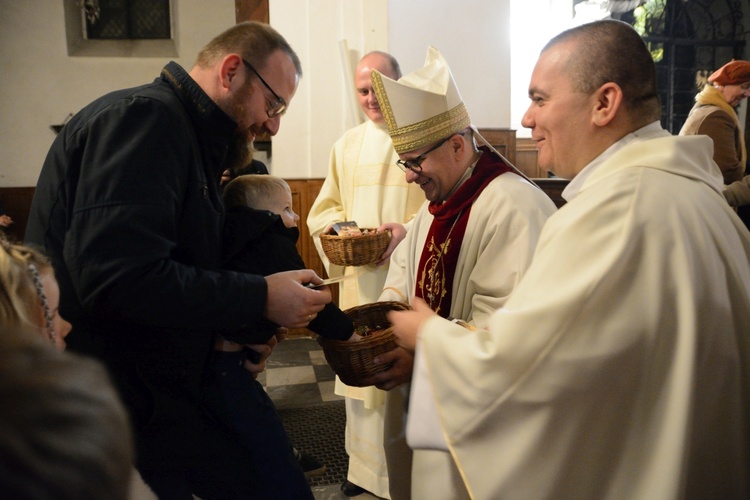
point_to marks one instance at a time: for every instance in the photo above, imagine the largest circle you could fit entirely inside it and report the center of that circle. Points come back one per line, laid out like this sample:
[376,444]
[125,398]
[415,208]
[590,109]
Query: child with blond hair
[260,236]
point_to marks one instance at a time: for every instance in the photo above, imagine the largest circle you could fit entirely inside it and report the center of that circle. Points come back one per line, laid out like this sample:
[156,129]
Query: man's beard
[238,154]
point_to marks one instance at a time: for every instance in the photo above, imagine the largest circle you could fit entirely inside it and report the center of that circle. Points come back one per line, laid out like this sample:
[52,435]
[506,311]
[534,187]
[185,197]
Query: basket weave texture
[352,361]
[355,250]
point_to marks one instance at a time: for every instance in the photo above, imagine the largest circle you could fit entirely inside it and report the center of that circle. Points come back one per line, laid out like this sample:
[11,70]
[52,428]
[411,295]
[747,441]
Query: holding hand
[291,304]
[260,353]
[398,233]
[406,324]
[400,364]
[282,333]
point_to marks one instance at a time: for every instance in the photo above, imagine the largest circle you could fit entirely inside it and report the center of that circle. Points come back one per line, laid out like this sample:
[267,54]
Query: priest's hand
[398,233]
[406,324]
[400,364]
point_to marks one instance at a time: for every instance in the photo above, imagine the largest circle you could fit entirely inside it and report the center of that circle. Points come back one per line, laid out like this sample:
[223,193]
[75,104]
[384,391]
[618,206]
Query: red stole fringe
[437,265]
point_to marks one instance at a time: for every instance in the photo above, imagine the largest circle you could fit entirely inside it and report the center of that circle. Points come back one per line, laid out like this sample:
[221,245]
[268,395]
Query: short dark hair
[612,51]
[253,40]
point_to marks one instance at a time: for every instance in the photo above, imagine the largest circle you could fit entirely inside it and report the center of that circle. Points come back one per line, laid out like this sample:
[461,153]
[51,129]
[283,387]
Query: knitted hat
[422,107]
[732,73]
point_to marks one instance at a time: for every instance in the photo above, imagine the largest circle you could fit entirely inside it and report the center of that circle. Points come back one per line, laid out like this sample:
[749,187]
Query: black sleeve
[126,246]
[332,323]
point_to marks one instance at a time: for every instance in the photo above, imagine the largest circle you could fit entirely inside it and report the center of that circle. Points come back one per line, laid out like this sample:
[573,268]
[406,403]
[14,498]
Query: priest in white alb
[363,185]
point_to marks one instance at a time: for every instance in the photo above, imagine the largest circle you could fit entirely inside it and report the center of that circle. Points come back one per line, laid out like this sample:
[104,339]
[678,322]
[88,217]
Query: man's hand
[291,304]
[406,324]
[398,233]
[264,351]
[399,372]
[282,333]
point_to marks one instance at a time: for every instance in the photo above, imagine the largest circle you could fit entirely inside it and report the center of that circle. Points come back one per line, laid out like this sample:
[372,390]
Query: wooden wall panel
[526,159]
[553,188]
[304,192]
[16,202]
[251,10]
[504,140]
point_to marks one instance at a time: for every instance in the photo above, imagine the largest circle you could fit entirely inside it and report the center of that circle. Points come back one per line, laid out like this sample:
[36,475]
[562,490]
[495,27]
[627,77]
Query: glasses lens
[278,108]
[412,165]
[415,164]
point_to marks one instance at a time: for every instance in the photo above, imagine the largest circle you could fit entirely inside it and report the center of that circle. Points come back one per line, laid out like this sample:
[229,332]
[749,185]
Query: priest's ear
[607,103]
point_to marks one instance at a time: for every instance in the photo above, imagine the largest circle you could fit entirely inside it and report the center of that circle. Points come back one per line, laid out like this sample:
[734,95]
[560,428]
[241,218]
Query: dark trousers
[196,456]
[240,404]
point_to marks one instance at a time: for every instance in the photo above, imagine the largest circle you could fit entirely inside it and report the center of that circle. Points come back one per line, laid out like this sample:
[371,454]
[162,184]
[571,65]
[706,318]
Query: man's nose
[272,125]
[411,175]
[527,121]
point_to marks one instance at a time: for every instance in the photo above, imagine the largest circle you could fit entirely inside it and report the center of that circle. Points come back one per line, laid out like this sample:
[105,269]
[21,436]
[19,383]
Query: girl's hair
[252,190]
[21,291]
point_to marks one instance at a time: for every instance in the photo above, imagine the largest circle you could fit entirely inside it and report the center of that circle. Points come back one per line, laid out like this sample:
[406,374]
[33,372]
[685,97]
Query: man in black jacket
[128,208]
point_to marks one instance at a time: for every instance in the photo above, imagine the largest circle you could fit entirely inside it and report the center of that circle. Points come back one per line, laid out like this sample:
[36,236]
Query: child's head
[29,294]
[262,192]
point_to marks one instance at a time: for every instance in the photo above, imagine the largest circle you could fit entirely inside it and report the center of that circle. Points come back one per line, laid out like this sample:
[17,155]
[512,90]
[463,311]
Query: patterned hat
[732,73]
[422,107]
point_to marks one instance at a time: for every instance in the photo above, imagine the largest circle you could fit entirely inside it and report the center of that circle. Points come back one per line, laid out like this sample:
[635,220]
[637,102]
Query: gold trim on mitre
[385,105]
[428,106]
[433,129]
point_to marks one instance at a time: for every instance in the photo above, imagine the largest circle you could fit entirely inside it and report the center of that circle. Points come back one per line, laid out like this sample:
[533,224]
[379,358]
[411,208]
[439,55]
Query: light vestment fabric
[619,366]
[364,185]
[502,231]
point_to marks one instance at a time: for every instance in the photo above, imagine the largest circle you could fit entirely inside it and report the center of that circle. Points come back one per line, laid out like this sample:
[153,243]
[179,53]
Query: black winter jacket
[127,206]
[257,242]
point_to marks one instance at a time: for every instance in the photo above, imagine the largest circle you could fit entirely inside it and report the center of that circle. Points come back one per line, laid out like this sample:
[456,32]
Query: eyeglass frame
[415,164]
[277,108]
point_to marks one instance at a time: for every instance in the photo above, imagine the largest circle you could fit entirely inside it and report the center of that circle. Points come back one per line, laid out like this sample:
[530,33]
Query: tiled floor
[298,375]
[300,382]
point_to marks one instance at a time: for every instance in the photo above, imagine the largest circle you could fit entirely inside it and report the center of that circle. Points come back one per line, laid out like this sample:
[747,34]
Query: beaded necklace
[48,319]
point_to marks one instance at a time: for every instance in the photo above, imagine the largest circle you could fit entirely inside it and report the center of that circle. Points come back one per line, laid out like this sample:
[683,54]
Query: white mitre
[422,107]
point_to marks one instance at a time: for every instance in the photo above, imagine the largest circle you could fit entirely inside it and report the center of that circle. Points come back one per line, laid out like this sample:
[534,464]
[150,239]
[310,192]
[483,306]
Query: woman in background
[714,115]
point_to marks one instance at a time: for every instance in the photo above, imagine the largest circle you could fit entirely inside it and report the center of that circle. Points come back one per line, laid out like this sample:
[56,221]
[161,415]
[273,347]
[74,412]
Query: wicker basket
[355,250]
[352,361]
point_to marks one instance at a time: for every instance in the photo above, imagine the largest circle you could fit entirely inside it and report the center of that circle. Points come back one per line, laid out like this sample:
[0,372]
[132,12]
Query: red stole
[439,259]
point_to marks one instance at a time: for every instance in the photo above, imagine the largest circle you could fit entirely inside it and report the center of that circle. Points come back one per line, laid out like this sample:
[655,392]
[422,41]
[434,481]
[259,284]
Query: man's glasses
[415,164]
[279,106]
